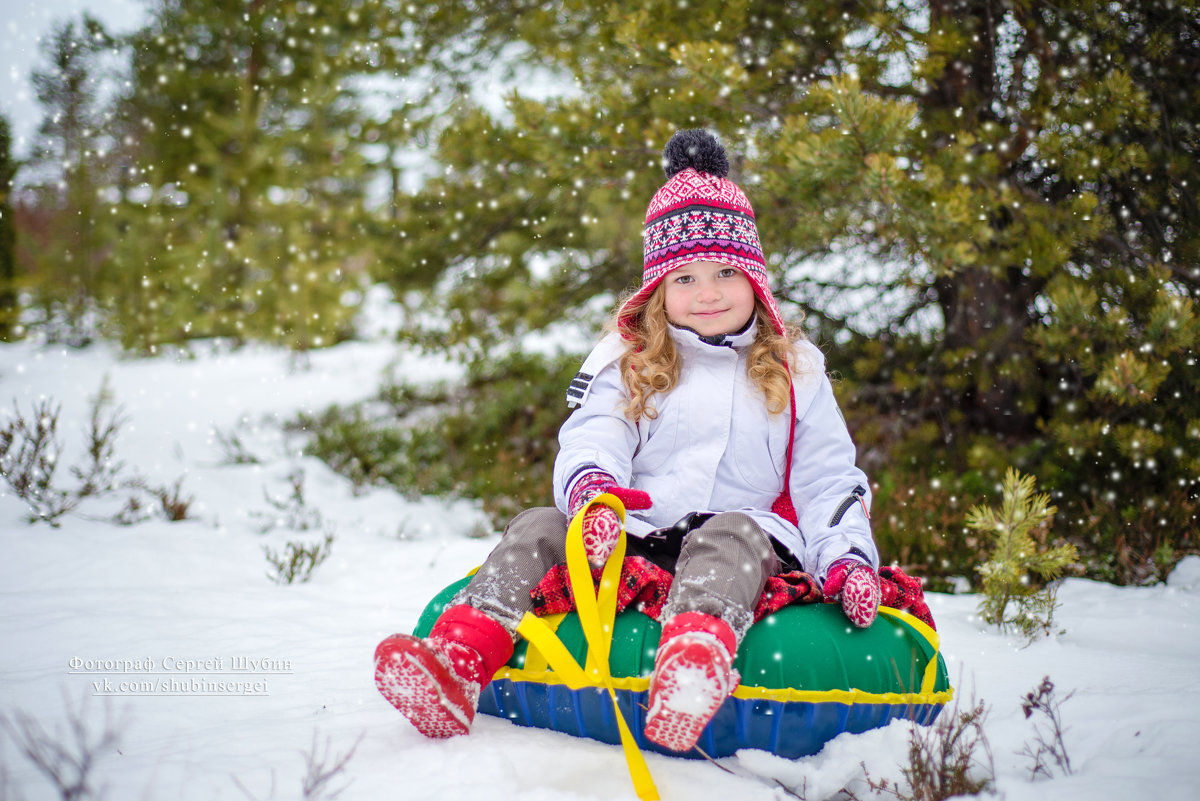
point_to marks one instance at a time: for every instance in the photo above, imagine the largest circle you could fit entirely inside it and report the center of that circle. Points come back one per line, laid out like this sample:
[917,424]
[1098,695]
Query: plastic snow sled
[807,674]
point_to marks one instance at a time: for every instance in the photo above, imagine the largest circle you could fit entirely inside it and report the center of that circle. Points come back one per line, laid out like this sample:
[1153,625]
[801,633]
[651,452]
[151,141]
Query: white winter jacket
[713,447]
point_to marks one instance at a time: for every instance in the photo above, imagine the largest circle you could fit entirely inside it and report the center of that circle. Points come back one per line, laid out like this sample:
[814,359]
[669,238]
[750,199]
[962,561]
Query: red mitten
[601,533]
[634,499]
[601,525]
[857,586]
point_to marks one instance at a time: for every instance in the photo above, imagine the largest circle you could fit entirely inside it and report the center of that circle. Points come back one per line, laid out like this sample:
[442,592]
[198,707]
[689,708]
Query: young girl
[705,415]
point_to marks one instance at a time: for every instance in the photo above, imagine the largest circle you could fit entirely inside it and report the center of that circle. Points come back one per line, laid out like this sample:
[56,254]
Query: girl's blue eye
[728,272]
[683,279]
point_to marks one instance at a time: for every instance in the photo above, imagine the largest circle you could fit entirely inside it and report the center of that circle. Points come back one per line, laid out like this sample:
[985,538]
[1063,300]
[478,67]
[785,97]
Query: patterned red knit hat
[700,215]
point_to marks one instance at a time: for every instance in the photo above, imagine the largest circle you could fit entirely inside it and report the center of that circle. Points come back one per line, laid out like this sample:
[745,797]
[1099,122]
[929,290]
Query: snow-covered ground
[192,600]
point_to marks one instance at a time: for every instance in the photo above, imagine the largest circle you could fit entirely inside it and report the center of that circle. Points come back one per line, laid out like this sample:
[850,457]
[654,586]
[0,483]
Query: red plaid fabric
[644,587]
[904,592]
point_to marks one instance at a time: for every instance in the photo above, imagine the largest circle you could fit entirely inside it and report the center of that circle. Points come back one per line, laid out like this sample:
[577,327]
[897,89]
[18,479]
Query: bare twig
[776,782]
[67,759]
[1049,746]
[951,758]
[322,769]
[246,791]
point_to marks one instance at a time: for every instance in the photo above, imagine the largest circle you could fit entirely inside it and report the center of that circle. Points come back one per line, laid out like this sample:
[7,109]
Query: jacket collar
[690,339]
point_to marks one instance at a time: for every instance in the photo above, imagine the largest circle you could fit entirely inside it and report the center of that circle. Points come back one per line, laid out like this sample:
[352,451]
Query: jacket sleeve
[597,435]
[831,494]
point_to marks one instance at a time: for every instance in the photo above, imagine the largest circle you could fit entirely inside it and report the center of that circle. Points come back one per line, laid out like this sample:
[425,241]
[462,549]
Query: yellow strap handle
[535,661]
[929,679]
[597,610]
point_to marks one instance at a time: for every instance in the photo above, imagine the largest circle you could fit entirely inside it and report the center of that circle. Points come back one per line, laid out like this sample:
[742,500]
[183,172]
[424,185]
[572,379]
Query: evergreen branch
[1010,598]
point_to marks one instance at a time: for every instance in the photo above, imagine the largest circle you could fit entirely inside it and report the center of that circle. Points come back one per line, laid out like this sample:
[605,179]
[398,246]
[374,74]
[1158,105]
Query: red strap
[783,505]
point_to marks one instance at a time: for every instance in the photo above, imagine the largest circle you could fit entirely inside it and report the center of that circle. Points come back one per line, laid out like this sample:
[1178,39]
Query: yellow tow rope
[929,677]
[597,610]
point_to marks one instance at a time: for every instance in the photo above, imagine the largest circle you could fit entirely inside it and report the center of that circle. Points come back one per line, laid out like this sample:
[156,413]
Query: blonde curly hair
[651,364]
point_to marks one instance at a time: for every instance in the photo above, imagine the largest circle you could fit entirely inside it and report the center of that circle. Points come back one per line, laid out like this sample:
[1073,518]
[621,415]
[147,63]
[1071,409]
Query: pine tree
[1069,325]
[64,176]
[986,205]
[537,207]
[252,172]
[9,312]
[1017,593]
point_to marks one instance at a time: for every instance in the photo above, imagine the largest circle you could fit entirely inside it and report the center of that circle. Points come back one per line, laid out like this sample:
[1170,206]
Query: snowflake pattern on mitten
[601,525]
[856,585]
[601,533]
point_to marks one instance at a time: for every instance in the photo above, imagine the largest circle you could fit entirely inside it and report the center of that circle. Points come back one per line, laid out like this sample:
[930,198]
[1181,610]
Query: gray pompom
[696,148]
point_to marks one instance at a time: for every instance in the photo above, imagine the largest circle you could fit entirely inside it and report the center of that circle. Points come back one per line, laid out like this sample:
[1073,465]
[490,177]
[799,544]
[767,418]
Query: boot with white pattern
[693,675]
[435,681]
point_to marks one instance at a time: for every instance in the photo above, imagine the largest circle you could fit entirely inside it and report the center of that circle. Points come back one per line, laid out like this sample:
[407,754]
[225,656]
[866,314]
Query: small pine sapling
[29,458]
[99,475]
[298,560]
[233,449]
[31,453]
[1019,593]
[292,512]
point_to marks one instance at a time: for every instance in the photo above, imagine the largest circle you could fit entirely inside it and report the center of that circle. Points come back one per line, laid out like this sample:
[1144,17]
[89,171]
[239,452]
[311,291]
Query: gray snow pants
[721,571]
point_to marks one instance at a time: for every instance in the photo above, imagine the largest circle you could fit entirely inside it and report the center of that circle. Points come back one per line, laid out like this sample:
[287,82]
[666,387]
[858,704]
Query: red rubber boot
[435,681]
[693,675]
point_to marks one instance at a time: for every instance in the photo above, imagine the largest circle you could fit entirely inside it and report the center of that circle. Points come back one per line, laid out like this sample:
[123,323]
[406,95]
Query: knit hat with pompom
[699,215]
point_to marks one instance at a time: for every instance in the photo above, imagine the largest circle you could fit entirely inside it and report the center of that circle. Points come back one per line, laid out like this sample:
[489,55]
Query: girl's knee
[540,526]
[537,520]
[740,526]
[728,535]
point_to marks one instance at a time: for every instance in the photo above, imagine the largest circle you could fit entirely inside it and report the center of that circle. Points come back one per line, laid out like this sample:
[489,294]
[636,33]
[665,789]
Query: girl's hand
[601,525]
[590,485]
[857,586]
[601,533]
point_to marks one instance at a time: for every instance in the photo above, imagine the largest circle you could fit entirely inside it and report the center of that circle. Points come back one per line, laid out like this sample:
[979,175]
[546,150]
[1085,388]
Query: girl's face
[709,298]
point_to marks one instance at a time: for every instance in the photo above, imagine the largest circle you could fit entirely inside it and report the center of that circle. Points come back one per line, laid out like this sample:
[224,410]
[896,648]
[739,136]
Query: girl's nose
[709,292]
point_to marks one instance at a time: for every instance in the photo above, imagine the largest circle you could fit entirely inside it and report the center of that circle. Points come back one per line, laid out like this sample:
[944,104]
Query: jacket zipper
[854,497]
